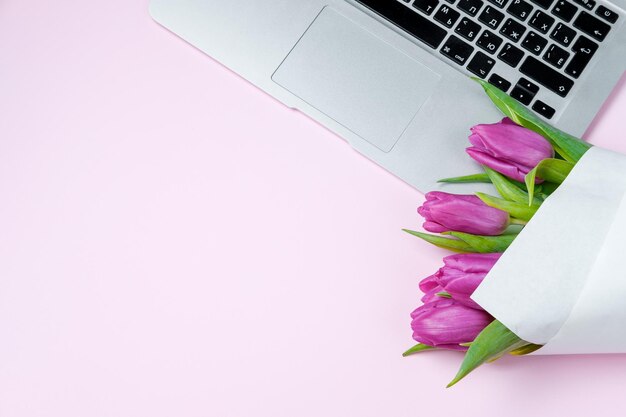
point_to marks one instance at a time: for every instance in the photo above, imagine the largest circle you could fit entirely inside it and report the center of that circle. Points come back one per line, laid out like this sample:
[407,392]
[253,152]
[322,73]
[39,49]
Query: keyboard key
[481,64]
[511,55]
[541,21]
[522,95]
[468,29]
[583,52]
[563,34]
[499,3]
[489,42]
[587,4]
[543,109]
[520,9]
[457,50]
[471,7]
[564,10]
[426,6]
[545,4]
[513,30]
[546,76]
[591,26]
[534,43]
[413,23]
[556,56]
[499,82]
[491,17]
[447,16]
[528,86]
[606,14]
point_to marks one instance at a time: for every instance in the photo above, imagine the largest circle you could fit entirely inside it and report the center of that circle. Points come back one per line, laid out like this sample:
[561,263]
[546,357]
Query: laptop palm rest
[356,79]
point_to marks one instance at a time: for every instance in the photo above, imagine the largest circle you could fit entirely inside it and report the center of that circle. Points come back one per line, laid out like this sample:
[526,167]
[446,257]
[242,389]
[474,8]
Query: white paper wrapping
[562,282]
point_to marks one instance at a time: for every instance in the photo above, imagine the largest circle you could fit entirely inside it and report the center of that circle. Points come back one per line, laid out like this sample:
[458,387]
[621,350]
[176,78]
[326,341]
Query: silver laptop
[392,76]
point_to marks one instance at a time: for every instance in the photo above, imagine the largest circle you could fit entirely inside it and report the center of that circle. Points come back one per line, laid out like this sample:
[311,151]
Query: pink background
[173,242]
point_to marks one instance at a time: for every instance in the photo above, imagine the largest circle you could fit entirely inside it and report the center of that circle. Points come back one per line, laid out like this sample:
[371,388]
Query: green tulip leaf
[454,245]
[485,244]
[546,189]
[509,189]
[443,294]
[554,170]
[474,178]
[569,147]
[551,170]
[525,350]
[492,343]
[530,184]
[518,210]
[420,347]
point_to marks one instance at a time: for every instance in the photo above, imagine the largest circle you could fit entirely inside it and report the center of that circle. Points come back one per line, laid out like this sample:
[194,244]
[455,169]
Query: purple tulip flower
[508,148]
[446,324]
[445,212]
[460,276]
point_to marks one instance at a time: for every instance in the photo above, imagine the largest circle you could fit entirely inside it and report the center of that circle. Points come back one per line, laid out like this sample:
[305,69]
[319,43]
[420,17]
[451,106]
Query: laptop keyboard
[535,44]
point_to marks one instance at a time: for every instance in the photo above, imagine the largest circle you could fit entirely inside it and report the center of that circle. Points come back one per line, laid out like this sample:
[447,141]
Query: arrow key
[543,109]
[499,82]
[593,27]
[522,95]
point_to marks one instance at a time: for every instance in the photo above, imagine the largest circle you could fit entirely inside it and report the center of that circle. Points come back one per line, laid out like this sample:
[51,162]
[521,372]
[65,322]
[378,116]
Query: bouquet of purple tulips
[484,299]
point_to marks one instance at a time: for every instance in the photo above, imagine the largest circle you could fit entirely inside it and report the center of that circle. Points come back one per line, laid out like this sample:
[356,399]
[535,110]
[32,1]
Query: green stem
[518,221]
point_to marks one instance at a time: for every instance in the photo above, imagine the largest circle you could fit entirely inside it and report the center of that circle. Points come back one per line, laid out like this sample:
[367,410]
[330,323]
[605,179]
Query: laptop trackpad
[357,79]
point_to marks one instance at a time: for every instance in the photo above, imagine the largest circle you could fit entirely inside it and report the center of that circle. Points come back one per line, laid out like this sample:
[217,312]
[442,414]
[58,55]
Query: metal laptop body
[404,103]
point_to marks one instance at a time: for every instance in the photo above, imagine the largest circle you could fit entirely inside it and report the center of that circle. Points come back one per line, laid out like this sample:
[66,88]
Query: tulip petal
[569,147]
[446,322]
[465,213]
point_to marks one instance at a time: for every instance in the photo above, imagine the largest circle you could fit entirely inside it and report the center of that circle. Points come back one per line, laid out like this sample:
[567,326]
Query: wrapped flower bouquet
[536,269]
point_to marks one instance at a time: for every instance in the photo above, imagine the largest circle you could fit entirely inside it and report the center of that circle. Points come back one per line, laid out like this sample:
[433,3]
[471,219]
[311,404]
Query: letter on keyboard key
[563,34]
[447,16]
[541,21]
[534,43]
[471,7]
[556,56]
[489,42]
[410,21]
[427,6]
[491,17]
[546,76]
[468,29]
[520,9]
